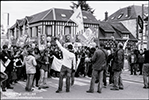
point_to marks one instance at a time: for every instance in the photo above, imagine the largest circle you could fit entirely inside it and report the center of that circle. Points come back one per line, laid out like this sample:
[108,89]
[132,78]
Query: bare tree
[84,6]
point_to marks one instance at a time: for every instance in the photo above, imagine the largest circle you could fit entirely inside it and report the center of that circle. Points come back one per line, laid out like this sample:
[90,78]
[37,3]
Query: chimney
[106,16]
[128,11]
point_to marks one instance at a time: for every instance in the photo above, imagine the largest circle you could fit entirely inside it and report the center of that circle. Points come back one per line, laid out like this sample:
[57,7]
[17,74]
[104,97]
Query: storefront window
[67,30]
[49,30]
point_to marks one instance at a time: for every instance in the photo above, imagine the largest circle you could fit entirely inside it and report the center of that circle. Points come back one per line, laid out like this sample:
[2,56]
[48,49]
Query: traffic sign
[140,22]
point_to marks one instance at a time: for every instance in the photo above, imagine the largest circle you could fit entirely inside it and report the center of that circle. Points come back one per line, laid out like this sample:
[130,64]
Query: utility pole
[148,29]
[142,26]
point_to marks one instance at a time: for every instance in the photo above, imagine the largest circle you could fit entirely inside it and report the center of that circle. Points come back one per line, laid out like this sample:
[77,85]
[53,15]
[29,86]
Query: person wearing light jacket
[30,64]
[68,62]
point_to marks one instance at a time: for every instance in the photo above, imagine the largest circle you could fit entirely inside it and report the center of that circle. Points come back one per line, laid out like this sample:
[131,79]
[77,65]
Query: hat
[70,47]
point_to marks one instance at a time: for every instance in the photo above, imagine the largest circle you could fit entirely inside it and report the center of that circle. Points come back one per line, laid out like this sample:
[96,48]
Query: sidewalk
[135,78]
[126,74]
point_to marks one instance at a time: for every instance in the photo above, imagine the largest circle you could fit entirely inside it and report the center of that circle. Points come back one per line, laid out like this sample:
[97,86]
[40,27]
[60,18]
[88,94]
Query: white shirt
[2,67]
[68,57]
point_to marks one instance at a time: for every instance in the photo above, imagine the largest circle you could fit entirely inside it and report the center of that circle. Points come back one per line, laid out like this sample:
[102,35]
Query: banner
[56,64]
[87,37]
[78,19]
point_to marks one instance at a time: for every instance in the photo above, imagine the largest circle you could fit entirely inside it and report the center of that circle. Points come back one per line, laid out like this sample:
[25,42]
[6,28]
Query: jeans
[118,80]
[146,74]
[6,83]
[29,81]
[43,77]
[3,77]
[105,77]
[64,71]
[96,74]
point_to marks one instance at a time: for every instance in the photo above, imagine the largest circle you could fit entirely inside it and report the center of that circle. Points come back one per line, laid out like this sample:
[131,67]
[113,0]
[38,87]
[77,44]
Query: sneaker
[44,87]
[145,87]
[58,91]
[99,91]
[4,90]
[30,90]
[89,91]
[114,88]
[67,90]
[9,87]
[121,88]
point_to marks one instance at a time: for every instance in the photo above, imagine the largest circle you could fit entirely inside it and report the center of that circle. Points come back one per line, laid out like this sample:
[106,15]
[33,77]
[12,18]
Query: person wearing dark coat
[118,64]
[8,61]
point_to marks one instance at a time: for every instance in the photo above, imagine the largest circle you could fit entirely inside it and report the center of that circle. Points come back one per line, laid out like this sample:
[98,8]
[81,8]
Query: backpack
[140,59]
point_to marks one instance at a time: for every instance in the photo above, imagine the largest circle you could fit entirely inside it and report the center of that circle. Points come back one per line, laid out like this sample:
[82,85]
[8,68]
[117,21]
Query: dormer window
[63,15]
[120,15]
[125,36]
[84,17]
[126,15]
[113,17]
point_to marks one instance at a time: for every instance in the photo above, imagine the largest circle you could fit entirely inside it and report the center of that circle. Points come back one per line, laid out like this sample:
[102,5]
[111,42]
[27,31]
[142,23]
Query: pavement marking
[76,82]
[55,85]
[9,93]
[132,82]
[22,98]
[23,84]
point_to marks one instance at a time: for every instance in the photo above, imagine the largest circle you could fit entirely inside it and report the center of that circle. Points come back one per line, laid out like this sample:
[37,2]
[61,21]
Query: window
[109,34]
[63,15]
[84,17]
[112,17]
[17,34]
[67,30]
[21,31]
[125,36]
[30,32]
[49,30]
[33,32]
[120,15]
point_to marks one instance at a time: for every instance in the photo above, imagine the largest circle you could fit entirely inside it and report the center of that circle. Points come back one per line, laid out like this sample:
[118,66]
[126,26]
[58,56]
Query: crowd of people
[34,66]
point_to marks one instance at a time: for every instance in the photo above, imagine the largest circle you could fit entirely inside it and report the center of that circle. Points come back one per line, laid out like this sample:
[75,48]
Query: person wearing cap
[68,61]
[30,64]
[118,64]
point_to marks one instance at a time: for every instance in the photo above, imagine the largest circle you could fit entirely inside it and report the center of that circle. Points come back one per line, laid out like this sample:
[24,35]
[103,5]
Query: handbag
[13,75]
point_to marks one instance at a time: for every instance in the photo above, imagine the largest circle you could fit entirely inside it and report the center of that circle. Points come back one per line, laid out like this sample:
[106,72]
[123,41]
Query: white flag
[125,44]
[78,19]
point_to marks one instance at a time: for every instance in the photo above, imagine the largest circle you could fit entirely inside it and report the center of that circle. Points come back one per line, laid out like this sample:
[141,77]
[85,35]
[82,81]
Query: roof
[106,26]
[13,26]
[61,15]
[122,14]
[119,26]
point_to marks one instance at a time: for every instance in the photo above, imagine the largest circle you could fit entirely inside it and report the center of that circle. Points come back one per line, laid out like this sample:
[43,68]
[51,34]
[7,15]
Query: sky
[20,9]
